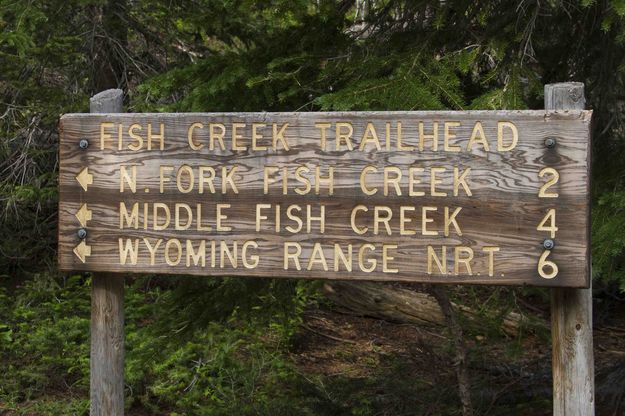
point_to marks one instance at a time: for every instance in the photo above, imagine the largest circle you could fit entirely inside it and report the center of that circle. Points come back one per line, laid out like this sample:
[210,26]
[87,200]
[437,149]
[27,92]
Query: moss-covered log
[402,305]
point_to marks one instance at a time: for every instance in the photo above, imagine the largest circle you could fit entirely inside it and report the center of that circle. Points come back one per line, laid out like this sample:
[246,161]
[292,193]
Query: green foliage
[220,371]
[609,241]
[45,328]
[423,84]
[230,361]
[236,362]
[213,346]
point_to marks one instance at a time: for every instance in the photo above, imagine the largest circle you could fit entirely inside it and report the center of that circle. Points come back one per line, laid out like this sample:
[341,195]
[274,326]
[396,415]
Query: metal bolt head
[575,94]
[83,144]
[549,244]
[82,233]
[550,142]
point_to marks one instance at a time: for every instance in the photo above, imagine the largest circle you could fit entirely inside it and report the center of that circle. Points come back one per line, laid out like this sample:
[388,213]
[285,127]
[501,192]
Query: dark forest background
[246,347]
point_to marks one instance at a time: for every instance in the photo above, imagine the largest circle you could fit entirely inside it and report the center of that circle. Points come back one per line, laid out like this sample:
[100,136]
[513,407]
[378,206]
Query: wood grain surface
[572,361]
[503,210]
[107,310]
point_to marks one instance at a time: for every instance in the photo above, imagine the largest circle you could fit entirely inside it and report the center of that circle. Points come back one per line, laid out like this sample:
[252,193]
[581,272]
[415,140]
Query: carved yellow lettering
[423,136]
[367,265]
[132,220]
[129,249]
[478,136]
[216,135]
[370,135]
[466,260]
[295,218]
[267,170]
[413,180]
[156,208]
[382,215]
[451,220]
[185,171]
[199,256]
[502,126]
[345,136]
[227,177]
[177,217]
[204,179]
[491,258]
[317,256]
[193,144]
[173,261]
[363,180]
[400,145]
[152,249]
[278,135]
[441,262]
[323,137]
[294,256]
[386,258]
[125,177]
[299,176]
[163,169]
[259,216]
[222,217]
[321,219]
[103,134]
[329,180]
[256,135]
[434,181]
[450,135]
[249,262]
[392,176]
[461,180]
[139,139]
[225,252]
[236,137]
[160,137]
[425,220]
[355,228]
[403,220]
[339,255]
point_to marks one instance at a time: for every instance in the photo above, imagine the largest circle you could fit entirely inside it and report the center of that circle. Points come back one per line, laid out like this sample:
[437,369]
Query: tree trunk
[108,46]
[460,349]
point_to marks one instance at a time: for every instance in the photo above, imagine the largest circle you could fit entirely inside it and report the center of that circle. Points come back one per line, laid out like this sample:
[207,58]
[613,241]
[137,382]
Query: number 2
[554,179]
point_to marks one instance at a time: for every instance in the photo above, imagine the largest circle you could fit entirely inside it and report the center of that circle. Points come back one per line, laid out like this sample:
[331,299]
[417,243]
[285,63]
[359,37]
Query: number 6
[543,262]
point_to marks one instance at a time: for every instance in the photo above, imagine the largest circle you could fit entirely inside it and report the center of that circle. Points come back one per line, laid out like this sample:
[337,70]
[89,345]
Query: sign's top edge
[584,114]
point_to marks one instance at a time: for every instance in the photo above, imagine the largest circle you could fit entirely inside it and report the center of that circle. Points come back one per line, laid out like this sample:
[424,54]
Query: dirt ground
[508,376]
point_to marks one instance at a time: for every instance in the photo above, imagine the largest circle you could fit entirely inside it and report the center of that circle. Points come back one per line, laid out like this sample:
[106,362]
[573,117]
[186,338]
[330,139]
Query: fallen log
[403,305]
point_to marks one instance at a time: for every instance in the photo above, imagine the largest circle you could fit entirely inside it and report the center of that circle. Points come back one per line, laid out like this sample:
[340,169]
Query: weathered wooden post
[571,309]
[107,313]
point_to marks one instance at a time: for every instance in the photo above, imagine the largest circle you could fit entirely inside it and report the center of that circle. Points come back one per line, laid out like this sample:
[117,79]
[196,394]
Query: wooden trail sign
[489,197]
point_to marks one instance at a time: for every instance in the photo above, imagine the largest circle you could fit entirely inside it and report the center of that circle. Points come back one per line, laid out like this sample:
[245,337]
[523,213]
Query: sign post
[571,309]
[107,303]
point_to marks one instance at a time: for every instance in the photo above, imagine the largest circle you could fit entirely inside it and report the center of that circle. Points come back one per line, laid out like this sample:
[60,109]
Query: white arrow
[82,251]
[84,214]
[84,178]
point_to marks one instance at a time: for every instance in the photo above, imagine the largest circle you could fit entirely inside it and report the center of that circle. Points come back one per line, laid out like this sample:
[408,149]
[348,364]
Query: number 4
[551,218]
